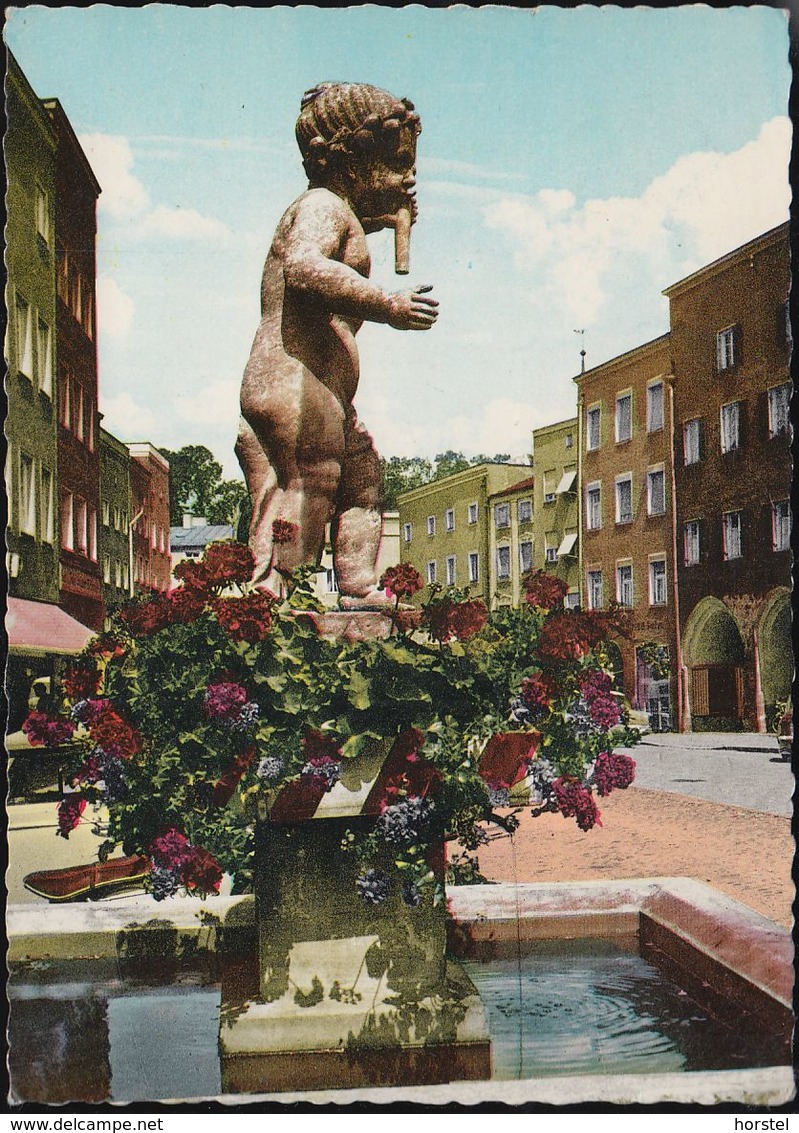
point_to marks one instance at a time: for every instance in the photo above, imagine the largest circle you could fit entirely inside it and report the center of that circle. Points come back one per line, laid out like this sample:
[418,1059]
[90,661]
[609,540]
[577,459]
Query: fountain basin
[732,962]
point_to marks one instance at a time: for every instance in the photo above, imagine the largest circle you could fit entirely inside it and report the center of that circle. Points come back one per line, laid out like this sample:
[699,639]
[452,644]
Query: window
[407,532]
[551,554]
[550,481]
[726,349]
[568,440]
[593,423]
[657,582]
[92,524]
[474,567]
[624,584]
[572,600]
[692,441]
[77,410]
[81,526]
[24,330]
[731,534]
[780,525]
[779,400]
[331,585]
[624,417]
[106,513]
[125,576]
[48,504]
[502,515]
[67,523]
[87,311]
[449,519]
[524,511]
[472,513]
[431,572]
[730,426]
[117,573]
[503,562]
[431,525]
[107,570]
[654,407]
[593,507]
[450,570]
[594,587]
[691,544]
[44,357]
[656,491]
[624,499]
[27,495]
[526,555]
[42,214]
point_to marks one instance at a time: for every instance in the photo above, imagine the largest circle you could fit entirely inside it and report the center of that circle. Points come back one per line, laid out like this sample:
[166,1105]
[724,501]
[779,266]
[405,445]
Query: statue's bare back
[307,460]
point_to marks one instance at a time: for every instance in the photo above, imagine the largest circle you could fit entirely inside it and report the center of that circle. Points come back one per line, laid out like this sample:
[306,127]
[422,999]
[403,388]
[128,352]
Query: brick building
[445,527]
[730,343]
[76,193]
[31,466]
[627,515]
[556,523]
[114,520]
[149,546]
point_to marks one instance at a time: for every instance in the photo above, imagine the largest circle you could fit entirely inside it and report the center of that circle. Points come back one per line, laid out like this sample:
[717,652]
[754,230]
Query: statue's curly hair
[340,119]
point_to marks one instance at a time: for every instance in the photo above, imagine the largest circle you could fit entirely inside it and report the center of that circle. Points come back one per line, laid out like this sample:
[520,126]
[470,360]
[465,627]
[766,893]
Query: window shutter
[737,345]
[700,440]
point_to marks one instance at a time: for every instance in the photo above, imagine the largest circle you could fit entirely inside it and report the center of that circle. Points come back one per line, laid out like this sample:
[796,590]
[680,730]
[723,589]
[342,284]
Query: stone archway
[715,654]
[775,649]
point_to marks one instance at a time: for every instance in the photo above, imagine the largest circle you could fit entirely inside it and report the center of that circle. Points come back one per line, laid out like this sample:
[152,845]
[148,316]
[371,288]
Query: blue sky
[573,163]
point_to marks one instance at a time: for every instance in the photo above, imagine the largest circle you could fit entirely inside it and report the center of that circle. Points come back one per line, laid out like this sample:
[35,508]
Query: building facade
[76,193]
[556,522]
[114,539]
[511,544]
[730,341]
[31,427]
[445,527]
[150,564]
[627,516]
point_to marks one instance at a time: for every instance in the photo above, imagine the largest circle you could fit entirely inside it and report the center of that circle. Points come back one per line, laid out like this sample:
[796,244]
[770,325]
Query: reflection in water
[90,1032]
[597,1007]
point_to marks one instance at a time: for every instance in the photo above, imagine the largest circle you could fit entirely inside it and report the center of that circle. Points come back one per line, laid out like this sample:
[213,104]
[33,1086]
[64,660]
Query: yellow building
[556,530]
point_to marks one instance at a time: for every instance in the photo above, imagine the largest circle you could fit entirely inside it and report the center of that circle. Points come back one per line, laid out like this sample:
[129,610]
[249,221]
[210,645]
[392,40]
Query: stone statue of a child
[307,459]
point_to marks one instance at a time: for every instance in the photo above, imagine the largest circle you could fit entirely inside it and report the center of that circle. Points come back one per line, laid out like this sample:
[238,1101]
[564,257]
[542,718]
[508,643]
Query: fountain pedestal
[350,994]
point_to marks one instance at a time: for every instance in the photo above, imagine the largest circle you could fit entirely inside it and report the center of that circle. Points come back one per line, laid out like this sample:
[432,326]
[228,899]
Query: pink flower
[283,531]
[170,849]
[69,811]
[225,700]
[574,800]
[613,770]
[47,731]
[403,581]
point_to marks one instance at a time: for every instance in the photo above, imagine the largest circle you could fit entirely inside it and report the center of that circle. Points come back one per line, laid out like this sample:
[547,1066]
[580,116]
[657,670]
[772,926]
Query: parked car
[785,733]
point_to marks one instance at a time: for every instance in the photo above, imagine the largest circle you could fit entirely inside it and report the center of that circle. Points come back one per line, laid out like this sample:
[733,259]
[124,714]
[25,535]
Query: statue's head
[343,123]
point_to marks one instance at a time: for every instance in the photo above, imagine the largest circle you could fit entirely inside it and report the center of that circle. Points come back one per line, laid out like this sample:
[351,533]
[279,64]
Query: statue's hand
[413,310]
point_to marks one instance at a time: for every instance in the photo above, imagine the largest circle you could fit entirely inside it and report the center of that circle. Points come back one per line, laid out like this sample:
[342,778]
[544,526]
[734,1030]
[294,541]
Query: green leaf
[359,691]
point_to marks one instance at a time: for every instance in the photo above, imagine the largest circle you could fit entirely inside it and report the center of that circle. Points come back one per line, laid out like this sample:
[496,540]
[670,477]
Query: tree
[400,474]
[449,462]
[194,478]
[228,503]
[497,458]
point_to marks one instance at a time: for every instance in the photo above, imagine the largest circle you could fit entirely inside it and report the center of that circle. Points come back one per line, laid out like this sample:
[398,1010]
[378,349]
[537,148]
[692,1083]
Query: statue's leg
[261,481]
[357,529]
[300,429]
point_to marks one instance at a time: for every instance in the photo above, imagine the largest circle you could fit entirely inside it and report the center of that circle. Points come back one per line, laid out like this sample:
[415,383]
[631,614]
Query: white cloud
[213,404]
[114,308]
[123,195]
[183,224]
[705,205]
[127,420]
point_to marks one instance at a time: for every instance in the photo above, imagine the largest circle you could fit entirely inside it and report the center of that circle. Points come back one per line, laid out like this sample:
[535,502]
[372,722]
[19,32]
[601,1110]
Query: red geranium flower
[568,635]
[538,690]
[446,619]
[248,618]
[82,681]
[69,811]
[200,873]
[317,745]
[170,849]
[146,618]
[575,801]
[283,531]
[612,771]
[114,735]
[187,604]
[544,590]
[106,645]
[47,731]
[192,574]
[228,562]
[403,581]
